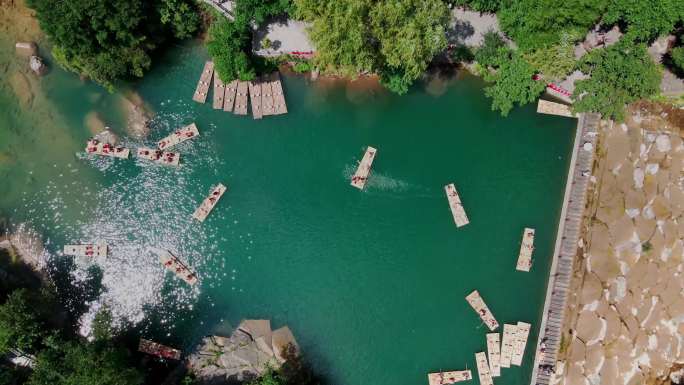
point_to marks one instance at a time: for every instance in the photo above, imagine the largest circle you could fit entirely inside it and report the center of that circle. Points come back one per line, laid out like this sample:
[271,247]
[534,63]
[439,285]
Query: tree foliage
[620,74]
[493,51]
[107,40]
[73,363]
[645,19]
[677,56]
[555,61]
[479,5]
[397,39]
[513,83]
[535,24]
[20,326]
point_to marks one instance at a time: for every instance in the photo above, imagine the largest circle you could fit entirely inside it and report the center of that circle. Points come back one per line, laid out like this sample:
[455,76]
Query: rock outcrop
[26,49]
[246,354]
[37,66]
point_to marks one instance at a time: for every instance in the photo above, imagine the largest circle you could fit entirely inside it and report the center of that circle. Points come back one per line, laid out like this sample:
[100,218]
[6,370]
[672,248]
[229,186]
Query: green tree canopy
[228,45]
[72,363]
[677,56]
[493,51]
[535,24]
[645,19]
[479,5]
[513,83]
[620,74]
[20,326]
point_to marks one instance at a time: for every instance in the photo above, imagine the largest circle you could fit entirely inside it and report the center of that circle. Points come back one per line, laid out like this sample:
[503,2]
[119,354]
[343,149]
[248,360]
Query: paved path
[566,245]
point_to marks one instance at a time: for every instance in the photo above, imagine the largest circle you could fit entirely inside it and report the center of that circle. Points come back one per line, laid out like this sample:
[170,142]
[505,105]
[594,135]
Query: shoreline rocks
[250,350]
[37,66]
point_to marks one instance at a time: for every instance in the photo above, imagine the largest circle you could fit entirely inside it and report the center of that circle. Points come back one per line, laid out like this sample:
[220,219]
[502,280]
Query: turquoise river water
[371,282]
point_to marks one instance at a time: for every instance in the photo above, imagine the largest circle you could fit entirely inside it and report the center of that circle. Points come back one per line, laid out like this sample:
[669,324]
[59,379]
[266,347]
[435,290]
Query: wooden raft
[204,82]
[483,369]
[509,335]
[241,99]
[229,97]
[255,98]
[526,249]
[209,202]
[482,310]
[219,92]
[443,378]
[279,105]
[96,147]
[159,350]
[177,267]
[551,108]
[457,210]
[159,156]
[494,354]
[88,250]
[267,97]
[186,133]
[521,334]
[361,175]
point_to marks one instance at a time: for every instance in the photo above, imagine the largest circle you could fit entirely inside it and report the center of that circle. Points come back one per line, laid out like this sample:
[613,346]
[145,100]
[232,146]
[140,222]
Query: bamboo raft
[159,350]
[229,97]
[443,378]
[204,82]
[522,332]
[159,156]
[361,175]
[483,369]
[278,97]
[241,99]
[551,108]
[494,354]
[526,249]
[88,250]
[509,335]
[177,267]
[188,132]
[457,210]
[96,147]
[255,98]
[267,97]
[482,310]
[208,204]
[219,92]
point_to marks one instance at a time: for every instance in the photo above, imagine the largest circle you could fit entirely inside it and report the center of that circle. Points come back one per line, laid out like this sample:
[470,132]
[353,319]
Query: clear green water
[372,283]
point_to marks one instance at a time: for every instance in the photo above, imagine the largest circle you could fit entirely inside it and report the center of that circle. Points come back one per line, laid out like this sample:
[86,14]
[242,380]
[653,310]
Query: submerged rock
[22,89]
[26,48]
[138,115]
[94,122]
[249,351]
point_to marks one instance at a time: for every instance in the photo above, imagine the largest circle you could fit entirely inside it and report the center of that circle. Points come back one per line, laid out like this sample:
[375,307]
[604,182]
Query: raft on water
[551,108]
[188,132]
[521,334]
[482,310]
[509,335]
[526,248]
[159,350]
[172,263]
[209,202]
[483,369]
[442,378]
[96,147]
[159,156]
[494,354]
[460,217]
[361,175]
[204,82]
[87,250]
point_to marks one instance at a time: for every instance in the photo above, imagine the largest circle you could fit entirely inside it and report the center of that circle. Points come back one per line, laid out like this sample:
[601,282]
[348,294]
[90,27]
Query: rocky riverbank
[625,321]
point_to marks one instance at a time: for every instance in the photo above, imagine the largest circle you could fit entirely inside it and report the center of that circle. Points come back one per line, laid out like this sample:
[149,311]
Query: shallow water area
[371,282]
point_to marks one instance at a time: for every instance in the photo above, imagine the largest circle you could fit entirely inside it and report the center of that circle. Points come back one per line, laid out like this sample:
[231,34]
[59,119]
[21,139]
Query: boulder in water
[37,66]
[26,49]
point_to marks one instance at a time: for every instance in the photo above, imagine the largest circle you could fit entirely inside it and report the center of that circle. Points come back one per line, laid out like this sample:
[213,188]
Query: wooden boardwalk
[255,98]
[521,334]
[480,307]
[89,250]
[443,378]
[204,82]
[483,369]
[279,105]
[568,232]
[526,249]
[509,333]
[457,210]
[229,96]
[186,133]
[494,353]
[159,156]
[209,202]
[241,99]
[267,97]
[96,147]
[219,92]
[173,264]
[360,177]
